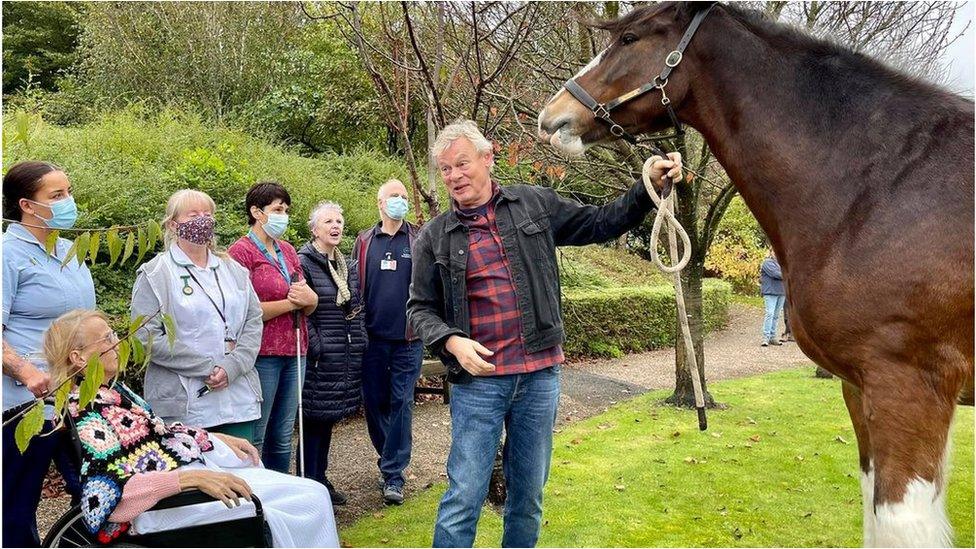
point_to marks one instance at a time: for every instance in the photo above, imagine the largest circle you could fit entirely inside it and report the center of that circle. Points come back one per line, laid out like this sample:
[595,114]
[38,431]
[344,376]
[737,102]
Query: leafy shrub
[611,321]
[738,249]
[605,267]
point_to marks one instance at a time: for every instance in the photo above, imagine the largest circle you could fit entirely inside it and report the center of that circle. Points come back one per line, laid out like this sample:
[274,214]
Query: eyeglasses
[112,338]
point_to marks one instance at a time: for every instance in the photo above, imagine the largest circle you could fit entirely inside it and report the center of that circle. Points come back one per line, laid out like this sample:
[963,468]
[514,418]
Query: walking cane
[298,365]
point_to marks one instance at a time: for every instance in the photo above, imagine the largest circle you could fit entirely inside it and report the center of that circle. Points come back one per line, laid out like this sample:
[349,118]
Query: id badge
[388,264]
[229,345]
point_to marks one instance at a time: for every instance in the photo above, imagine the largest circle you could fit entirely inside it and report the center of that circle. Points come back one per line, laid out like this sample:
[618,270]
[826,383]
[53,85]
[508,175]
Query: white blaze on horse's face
[566,115]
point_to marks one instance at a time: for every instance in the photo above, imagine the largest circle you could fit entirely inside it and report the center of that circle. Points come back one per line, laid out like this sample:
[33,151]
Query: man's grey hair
[394,181]
[456,130]
[318,210]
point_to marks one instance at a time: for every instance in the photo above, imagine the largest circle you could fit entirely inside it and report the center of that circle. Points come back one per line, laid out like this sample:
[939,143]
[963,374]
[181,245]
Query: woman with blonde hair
[132,459]
[207,377]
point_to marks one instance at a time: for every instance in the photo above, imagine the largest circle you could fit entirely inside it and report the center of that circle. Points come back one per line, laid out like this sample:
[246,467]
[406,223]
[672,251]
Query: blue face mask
[397,207]
[64,213]
[276,225]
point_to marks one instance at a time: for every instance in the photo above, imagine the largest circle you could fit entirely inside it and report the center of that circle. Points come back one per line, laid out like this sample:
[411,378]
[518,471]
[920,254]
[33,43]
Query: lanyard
[223,302]
[280,263]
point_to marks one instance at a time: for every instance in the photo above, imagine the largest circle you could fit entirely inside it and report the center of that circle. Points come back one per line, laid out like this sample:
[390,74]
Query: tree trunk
[433,203]
[496,487]
[684,392]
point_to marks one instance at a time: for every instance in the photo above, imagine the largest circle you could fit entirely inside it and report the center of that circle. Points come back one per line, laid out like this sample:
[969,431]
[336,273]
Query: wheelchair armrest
[195,497]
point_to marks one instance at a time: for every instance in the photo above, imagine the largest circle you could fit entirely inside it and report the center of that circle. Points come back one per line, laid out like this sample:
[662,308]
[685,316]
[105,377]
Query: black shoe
[338,498]
[393,493]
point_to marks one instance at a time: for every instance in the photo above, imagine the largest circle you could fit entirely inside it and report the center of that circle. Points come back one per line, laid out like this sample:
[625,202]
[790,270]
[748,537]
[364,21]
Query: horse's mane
[789,38]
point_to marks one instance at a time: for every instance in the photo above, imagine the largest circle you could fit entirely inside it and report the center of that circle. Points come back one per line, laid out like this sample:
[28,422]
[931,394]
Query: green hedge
[613,321]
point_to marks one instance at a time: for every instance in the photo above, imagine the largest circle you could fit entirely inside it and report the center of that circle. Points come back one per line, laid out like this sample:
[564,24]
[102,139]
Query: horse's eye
[628,38]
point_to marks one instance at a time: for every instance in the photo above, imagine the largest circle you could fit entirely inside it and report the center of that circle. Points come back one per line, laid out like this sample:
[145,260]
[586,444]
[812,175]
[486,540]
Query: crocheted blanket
[120,437]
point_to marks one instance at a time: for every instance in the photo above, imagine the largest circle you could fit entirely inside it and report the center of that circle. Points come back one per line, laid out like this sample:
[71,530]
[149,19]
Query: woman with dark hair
[336,341]
[276,275]
[36,290]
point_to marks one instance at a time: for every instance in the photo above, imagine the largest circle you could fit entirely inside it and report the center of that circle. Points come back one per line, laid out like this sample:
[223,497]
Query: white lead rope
[665,215]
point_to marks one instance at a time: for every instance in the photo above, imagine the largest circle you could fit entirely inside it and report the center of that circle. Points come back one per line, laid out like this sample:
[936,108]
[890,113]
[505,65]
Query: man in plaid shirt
[485,285]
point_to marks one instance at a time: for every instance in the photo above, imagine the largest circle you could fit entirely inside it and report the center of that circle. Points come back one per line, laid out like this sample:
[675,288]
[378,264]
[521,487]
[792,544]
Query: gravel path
[588,387]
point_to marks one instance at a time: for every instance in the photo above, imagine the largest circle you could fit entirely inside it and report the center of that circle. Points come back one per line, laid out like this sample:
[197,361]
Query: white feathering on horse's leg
[867,496]
[919,520]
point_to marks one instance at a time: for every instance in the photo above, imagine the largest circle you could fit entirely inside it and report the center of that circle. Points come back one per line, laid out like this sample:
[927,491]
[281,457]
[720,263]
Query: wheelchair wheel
[70,531]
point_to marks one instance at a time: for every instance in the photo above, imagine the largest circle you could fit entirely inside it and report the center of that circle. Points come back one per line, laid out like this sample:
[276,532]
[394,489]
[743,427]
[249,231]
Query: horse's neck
[792,159]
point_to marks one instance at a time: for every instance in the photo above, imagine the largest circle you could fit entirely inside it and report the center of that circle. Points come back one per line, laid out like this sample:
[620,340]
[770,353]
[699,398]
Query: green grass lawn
[778,467]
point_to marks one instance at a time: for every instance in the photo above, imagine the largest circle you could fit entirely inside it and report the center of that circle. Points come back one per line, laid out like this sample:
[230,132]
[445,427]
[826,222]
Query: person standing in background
[391,365]
[774,296]
[336,341]
[276,275]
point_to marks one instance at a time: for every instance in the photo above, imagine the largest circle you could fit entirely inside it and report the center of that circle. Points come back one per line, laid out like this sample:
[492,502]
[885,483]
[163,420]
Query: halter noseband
[601,111]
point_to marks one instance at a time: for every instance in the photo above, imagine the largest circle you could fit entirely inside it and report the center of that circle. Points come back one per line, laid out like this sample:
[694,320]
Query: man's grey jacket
[531,221]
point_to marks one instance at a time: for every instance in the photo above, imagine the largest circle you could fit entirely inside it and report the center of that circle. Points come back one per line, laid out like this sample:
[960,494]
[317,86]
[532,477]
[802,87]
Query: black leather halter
[601,111]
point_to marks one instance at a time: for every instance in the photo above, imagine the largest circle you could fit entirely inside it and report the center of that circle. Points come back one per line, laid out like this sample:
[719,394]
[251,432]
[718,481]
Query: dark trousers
[318,439]
[390,372]
[23,477]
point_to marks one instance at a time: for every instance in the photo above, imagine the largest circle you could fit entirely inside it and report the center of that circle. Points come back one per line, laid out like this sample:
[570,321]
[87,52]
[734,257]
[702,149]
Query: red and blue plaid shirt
[493,304]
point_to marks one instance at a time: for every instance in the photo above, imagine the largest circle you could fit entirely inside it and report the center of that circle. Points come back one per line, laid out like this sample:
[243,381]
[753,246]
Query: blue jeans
[774,306]
[279,387]
[23,476]
[390,372]
[526,405]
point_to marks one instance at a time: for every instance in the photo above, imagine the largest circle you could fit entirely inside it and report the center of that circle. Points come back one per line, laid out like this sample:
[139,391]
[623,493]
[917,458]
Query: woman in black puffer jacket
[336,340]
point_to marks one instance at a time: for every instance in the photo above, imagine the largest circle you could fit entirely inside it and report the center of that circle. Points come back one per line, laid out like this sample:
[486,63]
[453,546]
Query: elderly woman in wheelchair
[131,459]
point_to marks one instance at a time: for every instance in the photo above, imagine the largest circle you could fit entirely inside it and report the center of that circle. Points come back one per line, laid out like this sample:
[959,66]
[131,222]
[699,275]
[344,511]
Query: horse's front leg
[908,412]
[855,406]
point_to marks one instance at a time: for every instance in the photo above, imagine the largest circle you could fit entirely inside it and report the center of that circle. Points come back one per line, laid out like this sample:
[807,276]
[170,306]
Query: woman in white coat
[208,377]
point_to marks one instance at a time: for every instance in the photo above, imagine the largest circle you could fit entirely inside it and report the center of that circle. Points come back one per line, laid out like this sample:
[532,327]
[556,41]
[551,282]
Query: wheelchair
[70,529]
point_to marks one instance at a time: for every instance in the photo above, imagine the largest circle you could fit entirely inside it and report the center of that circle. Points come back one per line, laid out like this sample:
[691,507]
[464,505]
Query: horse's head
[640,45]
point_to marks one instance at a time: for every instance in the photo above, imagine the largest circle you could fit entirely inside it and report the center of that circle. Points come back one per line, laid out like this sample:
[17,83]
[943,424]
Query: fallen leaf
[755,438]
[690,459]
[620,487]
[603,426]
[676,434]
[576,441]
[799,458]
[841,440]
[716,434]
[808,514]
[377,515]
[565,462]
[750,421]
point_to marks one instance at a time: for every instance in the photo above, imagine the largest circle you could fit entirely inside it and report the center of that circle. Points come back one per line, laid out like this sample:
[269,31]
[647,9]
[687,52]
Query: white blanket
[299,511]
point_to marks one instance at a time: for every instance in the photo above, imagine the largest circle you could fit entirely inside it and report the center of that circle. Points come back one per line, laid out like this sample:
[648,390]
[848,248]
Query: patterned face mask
[198,231]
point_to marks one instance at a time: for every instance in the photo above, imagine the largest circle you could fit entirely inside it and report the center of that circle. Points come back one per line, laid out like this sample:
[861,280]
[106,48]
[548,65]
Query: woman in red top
[276,275]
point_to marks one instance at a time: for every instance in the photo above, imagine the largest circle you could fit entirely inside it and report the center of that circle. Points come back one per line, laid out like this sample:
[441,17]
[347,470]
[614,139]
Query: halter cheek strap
[601,111]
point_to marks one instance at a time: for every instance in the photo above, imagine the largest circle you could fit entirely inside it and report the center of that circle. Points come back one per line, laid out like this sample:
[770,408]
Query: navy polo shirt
[387,290]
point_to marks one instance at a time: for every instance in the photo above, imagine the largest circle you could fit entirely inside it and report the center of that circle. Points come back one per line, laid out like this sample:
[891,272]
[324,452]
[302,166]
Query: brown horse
[863,179]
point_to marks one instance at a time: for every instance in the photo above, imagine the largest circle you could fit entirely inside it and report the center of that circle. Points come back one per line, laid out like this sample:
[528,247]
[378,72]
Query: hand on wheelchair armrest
[202,486]
[193,497]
